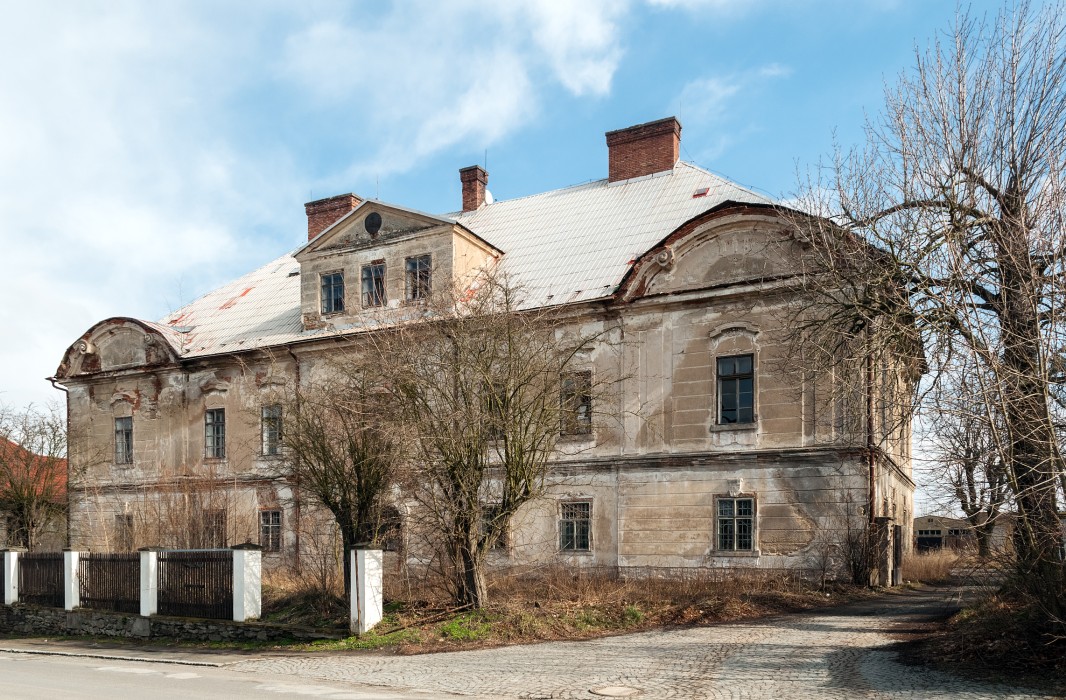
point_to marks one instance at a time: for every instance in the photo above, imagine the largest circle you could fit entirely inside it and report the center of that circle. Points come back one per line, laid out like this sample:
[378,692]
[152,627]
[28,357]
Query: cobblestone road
[841,653]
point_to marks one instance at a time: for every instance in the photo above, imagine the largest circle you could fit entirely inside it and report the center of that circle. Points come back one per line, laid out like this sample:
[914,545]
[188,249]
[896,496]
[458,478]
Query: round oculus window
[372,223]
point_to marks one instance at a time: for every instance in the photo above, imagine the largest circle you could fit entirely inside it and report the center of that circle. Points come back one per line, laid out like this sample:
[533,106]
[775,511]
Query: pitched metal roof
[564,246]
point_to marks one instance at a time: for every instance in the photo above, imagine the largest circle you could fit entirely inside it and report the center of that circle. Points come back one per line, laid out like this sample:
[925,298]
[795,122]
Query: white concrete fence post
[11,576]
[247,582]
[71,585]
[366,589]
[149,582]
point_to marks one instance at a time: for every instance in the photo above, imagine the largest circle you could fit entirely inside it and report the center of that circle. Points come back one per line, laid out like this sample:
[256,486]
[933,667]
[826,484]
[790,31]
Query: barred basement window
[736,524]
[271,429]
[270,530]
[575,526]
[215,433]
[374,284]
[333,292]
[214,529]
[123,532]
[124,440]
[418,277]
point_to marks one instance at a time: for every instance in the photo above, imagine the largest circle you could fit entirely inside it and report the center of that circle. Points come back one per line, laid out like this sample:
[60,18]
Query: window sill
[577,437]
[576,552]
[734,427]
[739,553]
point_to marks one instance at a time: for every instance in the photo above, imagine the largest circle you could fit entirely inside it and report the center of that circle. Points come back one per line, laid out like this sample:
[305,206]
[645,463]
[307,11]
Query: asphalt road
[48,677]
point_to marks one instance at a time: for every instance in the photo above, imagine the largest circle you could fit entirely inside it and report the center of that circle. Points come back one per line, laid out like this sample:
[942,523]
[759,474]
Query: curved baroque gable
[116,344]
[736,245]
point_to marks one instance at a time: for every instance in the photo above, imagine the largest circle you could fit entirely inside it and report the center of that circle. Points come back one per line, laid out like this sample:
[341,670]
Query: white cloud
[711,102]
[459,73]
[150,150]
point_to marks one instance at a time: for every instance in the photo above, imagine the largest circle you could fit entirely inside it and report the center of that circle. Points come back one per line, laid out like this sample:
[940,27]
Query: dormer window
[419,277]
[374,284]
[332,293]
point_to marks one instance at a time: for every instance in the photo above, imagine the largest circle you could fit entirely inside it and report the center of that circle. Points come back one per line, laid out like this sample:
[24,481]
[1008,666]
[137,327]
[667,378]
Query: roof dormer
[379,257]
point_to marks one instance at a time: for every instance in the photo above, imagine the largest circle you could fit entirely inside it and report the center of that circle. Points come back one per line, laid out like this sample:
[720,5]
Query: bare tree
[967,454]
[484,388]
[338,452]
[946,234]
[33,472]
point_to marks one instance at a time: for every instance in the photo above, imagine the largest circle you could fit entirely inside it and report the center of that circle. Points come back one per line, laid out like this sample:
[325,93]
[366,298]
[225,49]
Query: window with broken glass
[271,429]
[736,524]
[124,440]
[418,277]
[576,403]
[123,532]
[374,284]
[490,516]
[270,530]
[215,433]
[333,292]
[736,389]
[575,526]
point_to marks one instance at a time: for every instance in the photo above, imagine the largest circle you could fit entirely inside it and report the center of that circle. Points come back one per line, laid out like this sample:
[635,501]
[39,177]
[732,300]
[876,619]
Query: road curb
[115,657]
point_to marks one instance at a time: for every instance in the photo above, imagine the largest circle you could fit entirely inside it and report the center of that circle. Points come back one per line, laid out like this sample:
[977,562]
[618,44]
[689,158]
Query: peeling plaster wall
[657,460]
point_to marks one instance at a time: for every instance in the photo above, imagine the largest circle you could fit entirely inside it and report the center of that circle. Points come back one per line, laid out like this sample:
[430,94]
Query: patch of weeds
[590,618]
[468,627]
[370,640]
[632,615]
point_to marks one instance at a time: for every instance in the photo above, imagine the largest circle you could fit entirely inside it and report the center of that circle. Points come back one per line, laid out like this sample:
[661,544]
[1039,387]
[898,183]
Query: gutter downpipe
[296,490]
[870,429]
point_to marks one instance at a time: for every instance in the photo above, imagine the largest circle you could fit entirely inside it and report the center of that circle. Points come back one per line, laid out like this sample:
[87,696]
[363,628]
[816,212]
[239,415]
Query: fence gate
[41,578]
[111,581]
[196,583]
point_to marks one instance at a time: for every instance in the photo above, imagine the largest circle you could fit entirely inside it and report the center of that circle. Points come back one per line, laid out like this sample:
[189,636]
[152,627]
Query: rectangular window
[215,433]
[489,514]
[333,292]
[575,523]
[736,389]
[270,530]
[418,277]
[576,403]
[214,533]
[374,284]
[736,524]
[124,440]
[123,532]
[271,429]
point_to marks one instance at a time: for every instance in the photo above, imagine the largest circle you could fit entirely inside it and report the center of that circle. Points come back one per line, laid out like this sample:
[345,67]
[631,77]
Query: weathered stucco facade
[664,483]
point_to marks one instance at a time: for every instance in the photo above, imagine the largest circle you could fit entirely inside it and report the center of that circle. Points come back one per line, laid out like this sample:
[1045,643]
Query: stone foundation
[33,620]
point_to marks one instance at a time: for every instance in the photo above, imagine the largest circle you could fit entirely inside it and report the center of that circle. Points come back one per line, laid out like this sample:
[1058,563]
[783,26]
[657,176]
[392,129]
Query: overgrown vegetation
[555,603]
[930,567]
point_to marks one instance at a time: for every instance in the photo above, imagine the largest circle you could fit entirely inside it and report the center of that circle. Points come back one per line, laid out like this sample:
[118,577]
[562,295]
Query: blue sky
[151,151]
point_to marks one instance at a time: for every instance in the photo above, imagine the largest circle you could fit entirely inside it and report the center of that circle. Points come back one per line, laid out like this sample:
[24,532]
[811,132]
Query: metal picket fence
[41,578]
[110,581]
[196,583]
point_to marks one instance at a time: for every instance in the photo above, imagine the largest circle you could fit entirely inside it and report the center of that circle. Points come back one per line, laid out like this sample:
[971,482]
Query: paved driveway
[842,653]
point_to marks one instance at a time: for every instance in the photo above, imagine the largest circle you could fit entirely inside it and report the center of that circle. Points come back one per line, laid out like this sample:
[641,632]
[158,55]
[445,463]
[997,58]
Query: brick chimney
[323,213]
[474,180]
[643,149]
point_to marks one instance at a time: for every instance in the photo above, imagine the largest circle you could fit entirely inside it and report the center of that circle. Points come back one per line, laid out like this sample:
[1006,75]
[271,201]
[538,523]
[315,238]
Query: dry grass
[999,639]
[303,600]
[930,567]
[562,603]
